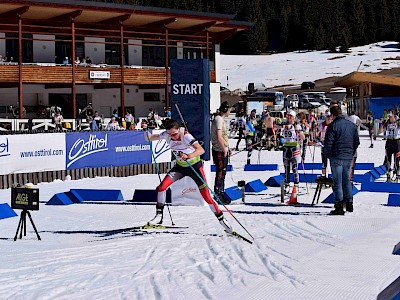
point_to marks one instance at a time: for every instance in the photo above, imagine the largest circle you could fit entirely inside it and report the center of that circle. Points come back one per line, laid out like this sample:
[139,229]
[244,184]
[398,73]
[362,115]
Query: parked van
[319,97]
[293,100]
[305,101]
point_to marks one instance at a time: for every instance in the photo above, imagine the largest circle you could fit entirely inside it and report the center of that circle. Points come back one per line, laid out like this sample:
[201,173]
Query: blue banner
[101,149]
[190,90]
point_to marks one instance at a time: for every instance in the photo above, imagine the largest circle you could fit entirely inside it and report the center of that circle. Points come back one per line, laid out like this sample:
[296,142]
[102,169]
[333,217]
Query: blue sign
[100,149]
[190,90]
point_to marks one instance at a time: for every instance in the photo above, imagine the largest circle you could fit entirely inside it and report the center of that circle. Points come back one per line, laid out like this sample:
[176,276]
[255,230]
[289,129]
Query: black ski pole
[245,149]
[157,170]
[217,198]
[205,184]
[180,114]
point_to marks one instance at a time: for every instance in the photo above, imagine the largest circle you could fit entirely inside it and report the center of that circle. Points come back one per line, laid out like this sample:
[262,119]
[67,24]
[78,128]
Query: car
[308,102]
[307,85]
[319,97]
[279,114]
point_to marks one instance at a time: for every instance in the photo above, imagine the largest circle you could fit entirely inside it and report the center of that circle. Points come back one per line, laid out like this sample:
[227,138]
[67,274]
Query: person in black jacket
[341,142]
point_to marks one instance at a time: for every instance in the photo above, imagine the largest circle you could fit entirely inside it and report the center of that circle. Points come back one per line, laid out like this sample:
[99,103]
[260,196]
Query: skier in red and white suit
[186,150]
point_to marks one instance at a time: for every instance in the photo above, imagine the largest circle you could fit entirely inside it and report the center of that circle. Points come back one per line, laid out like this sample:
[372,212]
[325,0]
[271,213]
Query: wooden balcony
[35,74]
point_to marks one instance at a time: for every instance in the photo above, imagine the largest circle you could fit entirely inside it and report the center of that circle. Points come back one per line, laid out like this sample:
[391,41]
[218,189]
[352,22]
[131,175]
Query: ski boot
[389,176]
[158,219]
[338,211]
[349,206]
[372,146]
[287,188]
[224,223]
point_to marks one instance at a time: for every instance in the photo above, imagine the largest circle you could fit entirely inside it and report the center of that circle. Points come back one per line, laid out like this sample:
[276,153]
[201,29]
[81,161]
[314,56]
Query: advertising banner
[190,90]
[161,149]
[24,153]
[101,149]
[186,192]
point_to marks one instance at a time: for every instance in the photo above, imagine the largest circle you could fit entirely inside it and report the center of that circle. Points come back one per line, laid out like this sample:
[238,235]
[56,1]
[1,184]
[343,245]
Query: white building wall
[135,53]
[97,52]
[2,44]
[215,96]
[217,63]
[44,51]
[180,50]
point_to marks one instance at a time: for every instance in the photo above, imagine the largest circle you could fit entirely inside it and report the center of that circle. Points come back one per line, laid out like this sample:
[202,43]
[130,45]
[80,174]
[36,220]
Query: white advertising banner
[161,149]
[24,153]
[99,74]
[186,192]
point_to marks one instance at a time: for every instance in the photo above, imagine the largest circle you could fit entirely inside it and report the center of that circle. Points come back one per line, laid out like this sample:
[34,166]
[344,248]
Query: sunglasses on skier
[173,133]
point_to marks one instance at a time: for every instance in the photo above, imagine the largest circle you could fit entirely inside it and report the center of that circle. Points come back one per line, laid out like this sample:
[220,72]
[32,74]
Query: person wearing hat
[321,131]
[392,146]
[251,123]
[293,136]
[220,149]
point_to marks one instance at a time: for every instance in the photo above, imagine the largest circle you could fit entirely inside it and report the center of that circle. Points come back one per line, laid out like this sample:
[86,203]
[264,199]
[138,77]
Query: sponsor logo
[161,146]
[4,148]
[188,190]
[82,148]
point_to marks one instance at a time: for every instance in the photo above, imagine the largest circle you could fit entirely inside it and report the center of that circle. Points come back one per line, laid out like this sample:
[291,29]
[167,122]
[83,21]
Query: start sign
[187,89]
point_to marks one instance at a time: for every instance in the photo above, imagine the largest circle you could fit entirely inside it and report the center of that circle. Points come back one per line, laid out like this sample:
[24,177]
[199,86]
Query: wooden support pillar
[207,41]
[361,95]
[167,104]
[20,97]
[122,62]
[73,88]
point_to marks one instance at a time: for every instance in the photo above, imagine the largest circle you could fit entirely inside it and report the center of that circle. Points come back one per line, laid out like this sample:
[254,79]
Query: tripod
[22,225]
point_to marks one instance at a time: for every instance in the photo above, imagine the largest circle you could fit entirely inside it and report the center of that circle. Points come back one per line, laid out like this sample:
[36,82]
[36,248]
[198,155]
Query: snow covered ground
[90,251]
[295,67]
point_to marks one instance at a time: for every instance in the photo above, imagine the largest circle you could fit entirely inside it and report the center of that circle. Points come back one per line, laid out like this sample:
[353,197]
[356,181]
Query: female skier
[187,150]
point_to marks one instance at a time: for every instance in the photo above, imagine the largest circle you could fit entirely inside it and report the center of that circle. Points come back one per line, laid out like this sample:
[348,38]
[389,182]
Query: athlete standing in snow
[241,121]
[187,150]
[322,128]
[392,146]
[305,127]
[250,134]
[292,136]
[370,125]
[220,150]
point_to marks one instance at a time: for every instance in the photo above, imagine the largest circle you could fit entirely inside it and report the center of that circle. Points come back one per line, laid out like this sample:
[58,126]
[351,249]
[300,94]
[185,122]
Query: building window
[12,53]
[113,47]
[154,55]
[63,47]
[152,97]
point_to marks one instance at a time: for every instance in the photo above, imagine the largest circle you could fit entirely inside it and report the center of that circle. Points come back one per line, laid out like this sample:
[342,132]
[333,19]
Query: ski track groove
[155,288]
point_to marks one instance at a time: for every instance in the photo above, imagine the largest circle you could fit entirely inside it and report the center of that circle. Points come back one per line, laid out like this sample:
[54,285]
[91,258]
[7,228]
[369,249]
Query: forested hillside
[288,25]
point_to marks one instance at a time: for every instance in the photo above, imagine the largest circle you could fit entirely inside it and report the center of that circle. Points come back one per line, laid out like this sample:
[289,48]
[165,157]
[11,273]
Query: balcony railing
[52,73]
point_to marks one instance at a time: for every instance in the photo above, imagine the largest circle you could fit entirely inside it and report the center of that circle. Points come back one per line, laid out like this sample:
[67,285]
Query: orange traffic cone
[293,196]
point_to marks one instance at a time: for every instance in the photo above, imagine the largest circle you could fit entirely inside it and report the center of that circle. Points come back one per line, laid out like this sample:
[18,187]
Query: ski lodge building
[71,54]
[371,92]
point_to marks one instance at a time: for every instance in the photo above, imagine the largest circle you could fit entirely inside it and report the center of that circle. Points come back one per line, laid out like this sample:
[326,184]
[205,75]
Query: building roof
[357,78]
[220,26]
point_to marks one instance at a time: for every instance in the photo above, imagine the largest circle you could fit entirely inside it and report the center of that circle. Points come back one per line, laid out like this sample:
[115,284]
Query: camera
[24,198]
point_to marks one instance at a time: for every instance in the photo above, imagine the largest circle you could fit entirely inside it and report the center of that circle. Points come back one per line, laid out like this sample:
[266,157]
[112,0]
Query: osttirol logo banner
[190,89]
